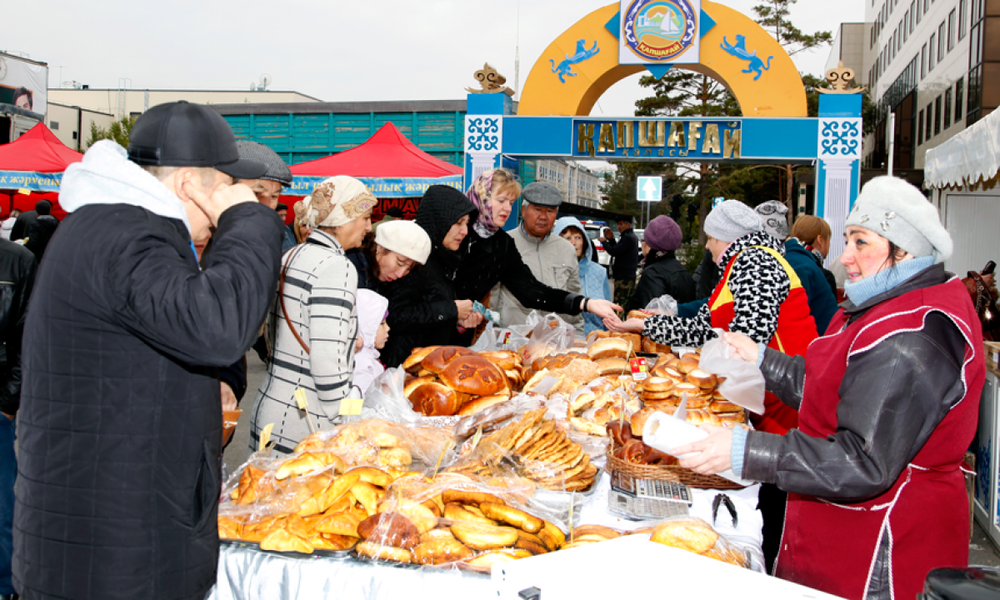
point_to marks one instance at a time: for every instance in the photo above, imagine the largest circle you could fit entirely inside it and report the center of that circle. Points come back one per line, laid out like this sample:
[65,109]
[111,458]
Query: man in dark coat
[17,273]
[626,260]
[121,421]
[40,231]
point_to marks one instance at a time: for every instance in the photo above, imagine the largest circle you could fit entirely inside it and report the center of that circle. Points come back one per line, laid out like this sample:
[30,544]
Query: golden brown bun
[413,383]
[724,406]
[412,362]
[469,497]
[612,365]
[684,387]
[280,540]
[512,516]
[381,552]
[440,551]
[481,403]
[472,374]
[638,314]
[634,339]
[688,363]
[439,359]
[639,420]
[686,534]
[608,348]
[648,345]
[657,384]
[702,379]
[479,536]
[654,396]
[700,416]
[457,513]
[494,557]
[505,359]
[389,529]
[435,399]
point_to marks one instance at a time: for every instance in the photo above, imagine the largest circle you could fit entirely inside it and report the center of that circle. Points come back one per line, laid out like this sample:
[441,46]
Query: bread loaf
[435,399]
[438,360]
[472,374]
[608,348]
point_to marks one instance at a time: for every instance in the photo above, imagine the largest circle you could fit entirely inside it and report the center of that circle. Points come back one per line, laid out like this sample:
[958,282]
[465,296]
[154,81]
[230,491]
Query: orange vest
[796,330]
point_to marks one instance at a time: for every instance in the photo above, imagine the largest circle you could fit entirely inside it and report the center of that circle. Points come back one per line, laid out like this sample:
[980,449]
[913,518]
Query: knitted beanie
[663,234]
[899,212]
[731,220]
[406,238]
[772,213]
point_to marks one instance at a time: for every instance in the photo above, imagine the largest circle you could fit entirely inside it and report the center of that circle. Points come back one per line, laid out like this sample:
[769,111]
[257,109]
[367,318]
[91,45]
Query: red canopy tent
[25,163]
[392,167]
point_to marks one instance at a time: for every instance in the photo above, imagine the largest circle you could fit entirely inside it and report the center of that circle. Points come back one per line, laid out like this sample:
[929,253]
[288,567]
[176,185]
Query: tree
[773,16]
[119,131]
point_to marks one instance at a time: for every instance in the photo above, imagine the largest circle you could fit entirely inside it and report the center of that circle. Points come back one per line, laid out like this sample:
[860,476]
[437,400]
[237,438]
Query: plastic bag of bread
[498,338]
[460,521]
[743,384]
[694,535]
[549,336]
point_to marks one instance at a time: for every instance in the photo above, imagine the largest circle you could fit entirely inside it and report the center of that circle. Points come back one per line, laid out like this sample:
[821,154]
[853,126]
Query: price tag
[638,368]
[303,403]
[476,438]
[351,407]
[265,437]
[505,338]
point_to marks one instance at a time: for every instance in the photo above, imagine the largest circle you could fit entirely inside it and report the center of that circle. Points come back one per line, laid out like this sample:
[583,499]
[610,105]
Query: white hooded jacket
[372,310]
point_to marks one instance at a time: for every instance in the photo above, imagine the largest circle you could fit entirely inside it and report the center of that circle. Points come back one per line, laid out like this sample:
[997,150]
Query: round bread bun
[472,374]
[687,534]
[389,529]
[481,403]
[647,396]
[608,348]
[688,363]
[440,358]
[412,362]
[702,379]
[725,406]
[413,383]
[435,399]
[698,401]
[663,406]
[657,384]
[638,314]
[700,416]
[505,359]
[684,387]
[639,420]
[612,365]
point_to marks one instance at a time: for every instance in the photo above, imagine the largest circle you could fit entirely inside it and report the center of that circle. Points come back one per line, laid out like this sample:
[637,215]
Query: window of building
[927,6]
[941,42]
[931,56]
[913,15]
[952,24]
[54,125]
[937,115]
[947,108]
[920,128]
[958,99]
[923,62]
[963,17]
[919,11]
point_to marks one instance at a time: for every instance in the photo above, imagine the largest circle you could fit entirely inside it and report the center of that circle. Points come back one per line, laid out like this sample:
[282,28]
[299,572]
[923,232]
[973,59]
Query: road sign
[649,189]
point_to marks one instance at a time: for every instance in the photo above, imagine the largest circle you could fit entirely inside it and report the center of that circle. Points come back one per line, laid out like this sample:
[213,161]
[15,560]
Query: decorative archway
[566,81]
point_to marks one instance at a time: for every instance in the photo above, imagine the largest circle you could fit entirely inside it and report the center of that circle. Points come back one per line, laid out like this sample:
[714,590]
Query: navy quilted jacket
[120,423]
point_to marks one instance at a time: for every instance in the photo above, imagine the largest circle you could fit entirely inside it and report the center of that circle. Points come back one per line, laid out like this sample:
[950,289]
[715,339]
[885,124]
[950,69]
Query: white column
[839,149]
[483,135]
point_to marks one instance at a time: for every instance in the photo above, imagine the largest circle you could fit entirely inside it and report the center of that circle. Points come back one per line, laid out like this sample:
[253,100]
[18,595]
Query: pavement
[982,551]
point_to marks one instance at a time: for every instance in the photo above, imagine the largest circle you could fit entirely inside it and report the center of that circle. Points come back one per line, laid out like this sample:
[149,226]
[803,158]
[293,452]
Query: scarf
[864,290]
[479,193]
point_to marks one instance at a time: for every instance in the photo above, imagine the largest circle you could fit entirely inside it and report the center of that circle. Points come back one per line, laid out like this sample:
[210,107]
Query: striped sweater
[319,294]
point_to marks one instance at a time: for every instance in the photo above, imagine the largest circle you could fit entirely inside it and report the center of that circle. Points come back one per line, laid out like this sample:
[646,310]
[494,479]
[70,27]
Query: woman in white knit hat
[312,323]
[888,403]
[396,248]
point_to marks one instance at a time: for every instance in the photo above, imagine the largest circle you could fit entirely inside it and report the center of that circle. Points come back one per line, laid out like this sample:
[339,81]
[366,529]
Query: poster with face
[23,83]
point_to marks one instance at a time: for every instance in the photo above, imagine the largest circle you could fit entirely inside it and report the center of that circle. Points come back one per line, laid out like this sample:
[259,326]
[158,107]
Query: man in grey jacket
[552,260]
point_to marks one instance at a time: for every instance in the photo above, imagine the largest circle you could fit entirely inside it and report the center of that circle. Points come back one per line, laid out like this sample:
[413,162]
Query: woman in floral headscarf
[491,256]
[312,323]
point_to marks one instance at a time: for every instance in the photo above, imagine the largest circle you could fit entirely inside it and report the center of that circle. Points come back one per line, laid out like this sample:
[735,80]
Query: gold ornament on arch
[839,79]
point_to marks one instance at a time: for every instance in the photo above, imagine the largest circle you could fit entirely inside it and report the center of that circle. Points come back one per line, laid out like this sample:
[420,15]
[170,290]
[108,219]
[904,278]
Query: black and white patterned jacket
[759,285]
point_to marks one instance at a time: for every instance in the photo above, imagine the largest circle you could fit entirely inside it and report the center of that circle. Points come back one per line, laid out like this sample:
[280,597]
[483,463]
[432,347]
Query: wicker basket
[667,473]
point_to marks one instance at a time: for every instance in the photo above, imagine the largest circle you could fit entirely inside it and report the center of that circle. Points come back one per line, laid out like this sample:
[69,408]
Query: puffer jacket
[663,274]
[822,301]
[593,277]
[120,430]
[488,261]
[422,309]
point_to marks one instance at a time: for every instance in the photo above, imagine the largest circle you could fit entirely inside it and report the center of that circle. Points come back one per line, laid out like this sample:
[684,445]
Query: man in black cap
[626,260]
[121,426]
[551,259]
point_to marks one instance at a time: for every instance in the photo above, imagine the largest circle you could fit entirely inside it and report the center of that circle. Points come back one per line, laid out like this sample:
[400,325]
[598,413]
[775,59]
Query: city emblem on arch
[739,50]
[565,68]
[660,30]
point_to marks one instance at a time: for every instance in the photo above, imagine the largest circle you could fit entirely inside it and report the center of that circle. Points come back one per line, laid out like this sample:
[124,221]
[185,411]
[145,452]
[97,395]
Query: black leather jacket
[17,273]
[875,440]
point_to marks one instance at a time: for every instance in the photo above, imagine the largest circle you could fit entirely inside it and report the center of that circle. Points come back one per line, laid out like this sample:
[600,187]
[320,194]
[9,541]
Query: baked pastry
[702,379]
[481,403]
[505,359]
[439,359]
[473,374]
[435,399]
[639,420]
[692,535]
[412,362]
[608,347]
[638,314]
[689,362]
[613,365]
[479,536]
[657,384]
[389,529]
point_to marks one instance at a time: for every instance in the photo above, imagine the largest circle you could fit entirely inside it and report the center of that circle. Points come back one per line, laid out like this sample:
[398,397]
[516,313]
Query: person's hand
[744,346]
[228,397]
[602,308]
[601,239]
[464,309]
[618,326]
[219,199]
[714,452]
[989,281]
[472,321]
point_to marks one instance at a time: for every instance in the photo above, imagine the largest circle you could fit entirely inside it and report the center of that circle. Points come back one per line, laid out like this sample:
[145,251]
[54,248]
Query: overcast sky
[334,50]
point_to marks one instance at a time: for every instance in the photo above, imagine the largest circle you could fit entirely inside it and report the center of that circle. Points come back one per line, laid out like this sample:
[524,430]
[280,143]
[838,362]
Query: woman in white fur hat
[888,404]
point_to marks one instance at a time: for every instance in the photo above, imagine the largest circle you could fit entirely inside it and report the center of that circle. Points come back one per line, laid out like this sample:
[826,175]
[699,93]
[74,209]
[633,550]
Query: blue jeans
[8,473]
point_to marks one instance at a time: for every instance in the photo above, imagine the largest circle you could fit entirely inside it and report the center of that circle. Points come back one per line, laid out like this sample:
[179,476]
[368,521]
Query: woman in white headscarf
[312,323]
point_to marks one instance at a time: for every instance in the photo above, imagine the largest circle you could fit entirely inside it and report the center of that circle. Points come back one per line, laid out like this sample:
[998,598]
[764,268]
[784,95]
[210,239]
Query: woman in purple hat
[663,273]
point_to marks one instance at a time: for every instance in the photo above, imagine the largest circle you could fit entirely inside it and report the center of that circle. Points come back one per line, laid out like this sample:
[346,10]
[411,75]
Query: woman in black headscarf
[423,306]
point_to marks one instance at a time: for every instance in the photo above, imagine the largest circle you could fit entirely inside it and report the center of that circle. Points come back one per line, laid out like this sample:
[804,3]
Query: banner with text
[658,139]
[380,187]
[30,180]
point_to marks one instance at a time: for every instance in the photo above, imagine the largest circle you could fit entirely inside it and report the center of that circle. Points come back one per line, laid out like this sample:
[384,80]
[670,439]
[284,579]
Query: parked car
[594,229]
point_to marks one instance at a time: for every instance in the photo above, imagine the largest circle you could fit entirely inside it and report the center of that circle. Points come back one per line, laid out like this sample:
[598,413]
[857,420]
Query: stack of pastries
[451,380]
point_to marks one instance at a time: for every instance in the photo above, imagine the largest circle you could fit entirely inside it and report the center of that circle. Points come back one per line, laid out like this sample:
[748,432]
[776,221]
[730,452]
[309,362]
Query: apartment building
[581,185]
[935,64]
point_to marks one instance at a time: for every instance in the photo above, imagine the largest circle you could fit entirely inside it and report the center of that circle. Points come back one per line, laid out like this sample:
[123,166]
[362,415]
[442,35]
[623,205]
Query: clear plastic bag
[664,305]
[744,384]
[695,535]
[498,338]
[386,400]
[549,336]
